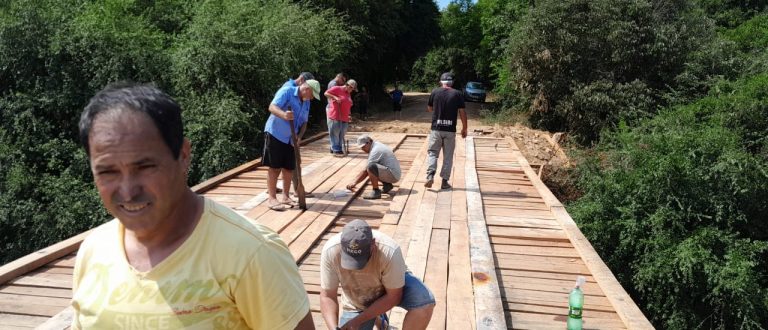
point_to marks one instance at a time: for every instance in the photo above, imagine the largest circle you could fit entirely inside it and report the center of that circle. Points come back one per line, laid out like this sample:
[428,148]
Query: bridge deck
[498,250]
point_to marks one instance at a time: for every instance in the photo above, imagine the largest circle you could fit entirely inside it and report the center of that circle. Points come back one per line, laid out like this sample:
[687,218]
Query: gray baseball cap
[356,241]
[363,140]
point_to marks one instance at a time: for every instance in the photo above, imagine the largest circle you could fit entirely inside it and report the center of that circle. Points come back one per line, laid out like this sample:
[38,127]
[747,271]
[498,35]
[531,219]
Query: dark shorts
[277,154]
[397,107]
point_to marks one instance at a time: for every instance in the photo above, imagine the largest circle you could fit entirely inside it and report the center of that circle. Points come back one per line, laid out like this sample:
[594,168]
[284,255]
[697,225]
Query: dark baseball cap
[446,76]
[356,241]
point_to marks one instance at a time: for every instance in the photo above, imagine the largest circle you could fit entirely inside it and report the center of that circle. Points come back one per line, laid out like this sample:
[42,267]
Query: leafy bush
[562,48]
[676,207]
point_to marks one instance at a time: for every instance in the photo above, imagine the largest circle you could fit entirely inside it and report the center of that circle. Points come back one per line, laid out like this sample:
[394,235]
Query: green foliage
[498,19]
[676,207]
[394,34]
[457,50]
[731,13]
[426,71]
[222,135]
[560,48]
[222,60]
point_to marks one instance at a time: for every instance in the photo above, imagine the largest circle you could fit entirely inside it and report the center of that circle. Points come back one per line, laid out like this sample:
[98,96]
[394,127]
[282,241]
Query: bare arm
[332,97]
[390,299]
[329,307]
[463,116]
[429,108]
[280,113]
[359,178]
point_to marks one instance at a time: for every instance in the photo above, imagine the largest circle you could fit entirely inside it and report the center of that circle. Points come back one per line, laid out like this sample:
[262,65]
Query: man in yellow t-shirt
[171,259]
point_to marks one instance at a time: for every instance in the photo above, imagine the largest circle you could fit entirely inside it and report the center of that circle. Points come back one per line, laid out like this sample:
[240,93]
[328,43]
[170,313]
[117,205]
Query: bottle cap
[580,281]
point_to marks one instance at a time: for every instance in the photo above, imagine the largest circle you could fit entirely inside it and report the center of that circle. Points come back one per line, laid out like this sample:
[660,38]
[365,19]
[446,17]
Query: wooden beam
[62,320]
[489,312]
[41,257]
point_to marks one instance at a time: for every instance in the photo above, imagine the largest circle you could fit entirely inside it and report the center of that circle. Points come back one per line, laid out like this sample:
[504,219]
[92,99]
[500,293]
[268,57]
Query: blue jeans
[336,131]
[415,295]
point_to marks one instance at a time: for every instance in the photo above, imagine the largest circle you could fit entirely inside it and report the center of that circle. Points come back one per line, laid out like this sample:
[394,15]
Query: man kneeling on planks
[383,167]
[371,270]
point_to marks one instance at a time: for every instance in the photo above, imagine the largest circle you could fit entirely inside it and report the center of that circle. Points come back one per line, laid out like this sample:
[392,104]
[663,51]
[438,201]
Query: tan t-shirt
[229,274]
[360,288]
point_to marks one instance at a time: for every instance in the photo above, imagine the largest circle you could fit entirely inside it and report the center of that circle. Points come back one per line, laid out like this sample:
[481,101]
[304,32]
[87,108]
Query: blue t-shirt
[289,83]
[397,95]
[287,98]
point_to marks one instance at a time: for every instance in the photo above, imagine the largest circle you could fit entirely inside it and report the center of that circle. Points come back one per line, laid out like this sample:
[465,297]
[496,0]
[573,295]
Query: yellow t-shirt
[229,274]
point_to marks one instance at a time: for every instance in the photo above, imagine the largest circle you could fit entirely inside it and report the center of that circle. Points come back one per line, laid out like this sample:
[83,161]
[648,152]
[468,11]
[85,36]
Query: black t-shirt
[445,103]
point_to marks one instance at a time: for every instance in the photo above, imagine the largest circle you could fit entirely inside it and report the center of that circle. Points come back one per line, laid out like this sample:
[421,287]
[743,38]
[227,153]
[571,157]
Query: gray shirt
[383,155]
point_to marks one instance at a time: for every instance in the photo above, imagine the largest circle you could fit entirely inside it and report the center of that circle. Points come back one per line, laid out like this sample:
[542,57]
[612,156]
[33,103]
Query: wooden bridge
[498,250]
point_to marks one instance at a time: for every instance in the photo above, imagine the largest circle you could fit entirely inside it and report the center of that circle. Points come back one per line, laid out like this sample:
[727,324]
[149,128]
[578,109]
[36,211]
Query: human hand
[288,115]
[351,187]
[464,133]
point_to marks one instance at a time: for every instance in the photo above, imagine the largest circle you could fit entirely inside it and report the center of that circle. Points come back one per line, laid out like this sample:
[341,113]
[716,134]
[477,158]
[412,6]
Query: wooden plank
[62,320]
[552,285]
[37,291]
[459,298]
[9,321]
[489,313]
[548,298]
[40,257]
[528,233]
[557,310]
[558,321]
[42,282]
[567,266]
[436,277]
[31,305]
[406,188]
[532,241]
[522,222]
[536,250]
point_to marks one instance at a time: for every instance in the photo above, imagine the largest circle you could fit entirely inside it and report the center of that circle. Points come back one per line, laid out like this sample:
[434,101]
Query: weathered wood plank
[436,277]
[489,313]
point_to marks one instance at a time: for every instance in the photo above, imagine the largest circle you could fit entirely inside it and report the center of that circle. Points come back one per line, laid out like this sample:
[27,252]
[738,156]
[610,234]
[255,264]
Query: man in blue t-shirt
[397,101]
[289,104]
[445,103]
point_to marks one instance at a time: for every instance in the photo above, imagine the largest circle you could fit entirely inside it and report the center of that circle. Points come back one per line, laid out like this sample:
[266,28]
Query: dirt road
[415,119]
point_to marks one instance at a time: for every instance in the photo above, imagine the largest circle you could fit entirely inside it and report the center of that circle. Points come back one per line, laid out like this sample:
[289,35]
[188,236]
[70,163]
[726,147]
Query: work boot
[445,185]
[374,194]
[386,187]
[430,181]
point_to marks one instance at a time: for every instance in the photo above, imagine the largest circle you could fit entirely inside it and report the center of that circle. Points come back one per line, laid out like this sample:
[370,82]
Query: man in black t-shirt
[446,104]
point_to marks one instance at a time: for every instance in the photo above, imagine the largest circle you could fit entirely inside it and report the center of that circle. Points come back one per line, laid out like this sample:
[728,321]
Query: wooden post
[297,170]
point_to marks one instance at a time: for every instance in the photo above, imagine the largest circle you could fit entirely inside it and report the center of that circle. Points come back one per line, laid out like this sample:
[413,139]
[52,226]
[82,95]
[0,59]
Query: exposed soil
[533,144]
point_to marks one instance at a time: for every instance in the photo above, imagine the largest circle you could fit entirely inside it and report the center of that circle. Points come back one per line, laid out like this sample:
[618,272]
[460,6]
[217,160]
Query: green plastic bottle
[576,305]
